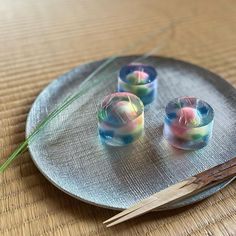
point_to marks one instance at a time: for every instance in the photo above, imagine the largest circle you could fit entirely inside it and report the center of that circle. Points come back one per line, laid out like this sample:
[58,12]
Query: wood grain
[216,174]
[40,40]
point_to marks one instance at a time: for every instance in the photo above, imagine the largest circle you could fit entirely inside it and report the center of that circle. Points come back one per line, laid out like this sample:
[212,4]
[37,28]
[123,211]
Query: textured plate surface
[69,154]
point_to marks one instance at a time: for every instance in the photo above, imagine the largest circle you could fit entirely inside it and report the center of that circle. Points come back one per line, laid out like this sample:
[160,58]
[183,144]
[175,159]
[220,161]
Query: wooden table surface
[40,40]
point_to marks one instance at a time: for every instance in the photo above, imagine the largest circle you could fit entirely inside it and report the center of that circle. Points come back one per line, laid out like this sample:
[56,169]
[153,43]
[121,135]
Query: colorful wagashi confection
[140,80]
[188,123]
[120,119]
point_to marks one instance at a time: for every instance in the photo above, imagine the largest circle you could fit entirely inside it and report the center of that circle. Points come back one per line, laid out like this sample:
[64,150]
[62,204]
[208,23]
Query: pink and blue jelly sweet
[120,119]
[188,123]
[140,80]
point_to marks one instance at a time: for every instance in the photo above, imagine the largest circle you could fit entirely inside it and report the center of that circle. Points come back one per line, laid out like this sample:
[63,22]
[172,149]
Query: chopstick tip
[110,225]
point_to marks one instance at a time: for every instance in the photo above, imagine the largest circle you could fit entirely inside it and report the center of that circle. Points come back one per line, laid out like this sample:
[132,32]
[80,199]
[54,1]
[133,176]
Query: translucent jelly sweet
[120,119]
[188,123]
[140,80]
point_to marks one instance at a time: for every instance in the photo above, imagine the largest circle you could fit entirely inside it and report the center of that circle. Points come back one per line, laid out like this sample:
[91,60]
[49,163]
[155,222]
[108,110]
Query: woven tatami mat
[39,40]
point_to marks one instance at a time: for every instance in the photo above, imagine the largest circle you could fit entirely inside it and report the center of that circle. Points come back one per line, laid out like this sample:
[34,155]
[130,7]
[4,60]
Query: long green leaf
[54,113]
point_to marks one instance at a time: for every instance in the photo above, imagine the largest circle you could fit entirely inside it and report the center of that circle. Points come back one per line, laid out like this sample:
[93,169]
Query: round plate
[69,153]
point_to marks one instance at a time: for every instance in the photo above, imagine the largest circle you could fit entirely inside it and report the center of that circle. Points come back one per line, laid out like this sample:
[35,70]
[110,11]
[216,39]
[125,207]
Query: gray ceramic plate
[69,154]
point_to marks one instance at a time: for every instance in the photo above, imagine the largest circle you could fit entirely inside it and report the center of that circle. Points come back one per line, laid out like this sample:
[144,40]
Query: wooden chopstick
[177,191]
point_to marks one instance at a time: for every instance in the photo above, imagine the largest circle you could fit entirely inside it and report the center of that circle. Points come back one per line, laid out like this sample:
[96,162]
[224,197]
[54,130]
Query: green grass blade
[53,114]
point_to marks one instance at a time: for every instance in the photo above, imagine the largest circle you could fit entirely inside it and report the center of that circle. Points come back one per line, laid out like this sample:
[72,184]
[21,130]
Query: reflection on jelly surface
[120,119]
[188,123]
[140,80]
